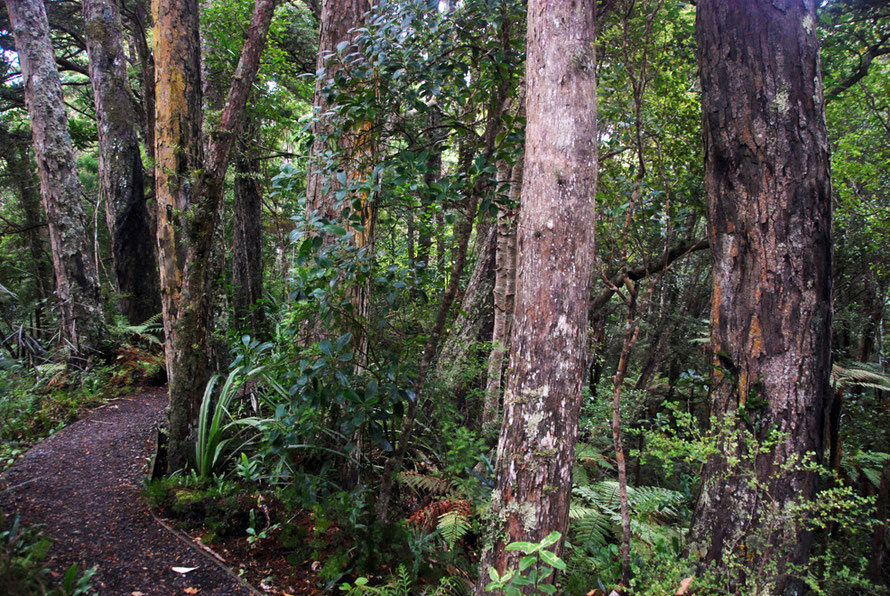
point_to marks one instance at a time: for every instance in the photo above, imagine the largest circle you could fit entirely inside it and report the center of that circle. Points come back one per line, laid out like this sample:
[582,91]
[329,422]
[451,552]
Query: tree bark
[120,164]
[77,283]
[21,169]
[474,322]
[504,293]
[247,245]
[190,190]
[337,18]
[555,245]
[769,225]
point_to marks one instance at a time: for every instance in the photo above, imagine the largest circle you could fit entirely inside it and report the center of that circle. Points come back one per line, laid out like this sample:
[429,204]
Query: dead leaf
[191,590]
[183,570]
[684,587]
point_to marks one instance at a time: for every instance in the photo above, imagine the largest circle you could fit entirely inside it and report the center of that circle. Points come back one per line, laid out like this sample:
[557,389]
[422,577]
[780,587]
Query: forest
[444,297]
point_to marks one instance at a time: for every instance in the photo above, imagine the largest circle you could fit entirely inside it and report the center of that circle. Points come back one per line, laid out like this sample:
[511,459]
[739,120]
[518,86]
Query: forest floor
[83,485]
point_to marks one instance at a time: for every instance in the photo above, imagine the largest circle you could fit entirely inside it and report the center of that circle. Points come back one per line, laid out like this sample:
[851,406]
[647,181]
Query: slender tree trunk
[431,176]
[504,296]
[120,164]
[21,170]
[474,321]
[878,570]
[247,245]
[463,229]
[555,244]
[190,190]
[337,18]
[769,223]
[77,283]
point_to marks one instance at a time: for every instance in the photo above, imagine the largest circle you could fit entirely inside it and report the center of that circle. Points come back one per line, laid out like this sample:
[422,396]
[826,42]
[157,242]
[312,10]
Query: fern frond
[453,525]
[453,585]
[433,485]
[426,516]
[860,375]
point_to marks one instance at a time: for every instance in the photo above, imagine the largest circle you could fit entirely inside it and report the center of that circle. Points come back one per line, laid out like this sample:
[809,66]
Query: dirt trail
[84,484]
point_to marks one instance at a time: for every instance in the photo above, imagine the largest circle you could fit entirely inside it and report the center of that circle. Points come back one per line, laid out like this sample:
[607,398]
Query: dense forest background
[303,217]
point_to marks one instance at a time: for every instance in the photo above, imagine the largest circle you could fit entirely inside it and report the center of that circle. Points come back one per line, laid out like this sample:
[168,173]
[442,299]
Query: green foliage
[534,571]
[214,421]
[399,586]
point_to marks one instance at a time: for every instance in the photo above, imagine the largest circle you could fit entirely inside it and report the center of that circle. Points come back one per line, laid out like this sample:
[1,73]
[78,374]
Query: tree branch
[666,260]
[865,60]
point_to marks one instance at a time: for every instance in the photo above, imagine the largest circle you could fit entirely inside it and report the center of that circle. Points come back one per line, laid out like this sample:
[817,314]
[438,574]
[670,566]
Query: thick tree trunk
[247,245]
[769,216]
[77,283]
[179,154]
[555,245]
[120,164]
[190,190]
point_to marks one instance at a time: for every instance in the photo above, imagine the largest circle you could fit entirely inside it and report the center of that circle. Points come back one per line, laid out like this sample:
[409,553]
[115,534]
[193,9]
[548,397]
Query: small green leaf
[526,562]
[552,560]
[526,547]
[550,539]
[547,588]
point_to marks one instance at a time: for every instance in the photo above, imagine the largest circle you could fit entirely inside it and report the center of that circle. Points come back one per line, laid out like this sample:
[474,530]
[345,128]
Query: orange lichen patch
[716,300]
[755,338]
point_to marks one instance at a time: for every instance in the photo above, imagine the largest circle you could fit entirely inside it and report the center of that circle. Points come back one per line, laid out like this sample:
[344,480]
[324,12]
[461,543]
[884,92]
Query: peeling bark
[555,246]
[769,225]
[77,283]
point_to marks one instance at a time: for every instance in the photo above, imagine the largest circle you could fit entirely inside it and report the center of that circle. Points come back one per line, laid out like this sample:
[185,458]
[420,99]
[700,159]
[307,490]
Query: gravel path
[84,485]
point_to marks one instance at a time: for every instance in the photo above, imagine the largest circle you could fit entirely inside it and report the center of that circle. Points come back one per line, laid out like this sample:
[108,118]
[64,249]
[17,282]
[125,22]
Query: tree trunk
[504,292]
[21,169]
[120,164]
[555,245]
[474,322]
[190,190]
[769,223]
[247,245]
[337,18]
[77,283]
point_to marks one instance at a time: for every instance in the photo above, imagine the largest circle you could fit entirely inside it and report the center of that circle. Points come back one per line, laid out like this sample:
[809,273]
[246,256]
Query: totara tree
[77,283]
[120,164]
[769,226]
[555,256]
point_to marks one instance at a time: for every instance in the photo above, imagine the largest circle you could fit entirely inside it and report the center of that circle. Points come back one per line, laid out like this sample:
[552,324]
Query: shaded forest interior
[463,297]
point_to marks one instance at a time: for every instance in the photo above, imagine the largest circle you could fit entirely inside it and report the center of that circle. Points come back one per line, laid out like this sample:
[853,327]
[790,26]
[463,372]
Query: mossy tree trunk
[77,283]
[555,258]
[769,225]
[190,189]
